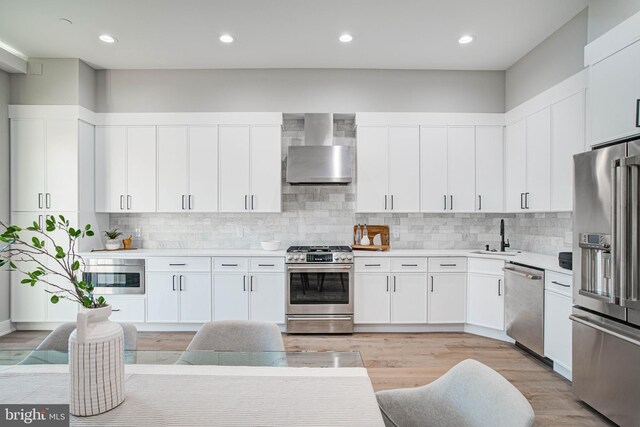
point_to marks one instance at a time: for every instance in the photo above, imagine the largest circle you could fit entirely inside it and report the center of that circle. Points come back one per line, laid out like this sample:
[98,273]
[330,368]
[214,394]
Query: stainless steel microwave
[115,276]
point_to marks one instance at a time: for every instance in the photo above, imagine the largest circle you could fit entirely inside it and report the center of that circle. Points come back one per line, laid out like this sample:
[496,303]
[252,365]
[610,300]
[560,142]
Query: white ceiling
[391,34]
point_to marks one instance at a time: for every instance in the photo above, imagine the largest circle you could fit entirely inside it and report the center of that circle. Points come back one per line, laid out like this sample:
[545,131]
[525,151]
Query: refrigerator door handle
[586,322]
[615,253]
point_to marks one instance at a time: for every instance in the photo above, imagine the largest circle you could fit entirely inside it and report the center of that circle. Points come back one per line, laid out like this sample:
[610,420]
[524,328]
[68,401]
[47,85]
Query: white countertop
[545,262]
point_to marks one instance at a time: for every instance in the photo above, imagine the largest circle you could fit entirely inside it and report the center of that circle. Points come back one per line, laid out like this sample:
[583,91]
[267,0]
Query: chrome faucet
[503,245]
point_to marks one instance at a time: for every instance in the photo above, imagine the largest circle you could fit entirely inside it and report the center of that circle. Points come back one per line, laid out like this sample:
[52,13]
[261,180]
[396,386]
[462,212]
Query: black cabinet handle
[387,283]
[445,202]
[174,282]
[244,283]
[451,207]
[448,265]
[394,283]
[431,283]
[372,265]
[560,284]
[176,265]
[266,265]
[638,113]
[229,265]
[115,309]
[499,282]
[409,265]
[181,277]
[479,203]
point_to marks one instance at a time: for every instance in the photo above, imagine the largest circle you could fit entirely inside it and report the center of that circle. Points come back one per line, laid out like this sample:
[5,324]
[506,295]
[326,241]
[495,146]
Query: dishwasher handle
[521,274]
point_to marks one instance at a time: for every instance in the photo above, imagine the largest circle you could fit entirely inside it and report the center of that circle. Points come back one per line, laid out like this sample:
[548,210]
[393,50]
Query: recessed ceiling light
[468,38]
[346,38]
[226,38]
[107,38]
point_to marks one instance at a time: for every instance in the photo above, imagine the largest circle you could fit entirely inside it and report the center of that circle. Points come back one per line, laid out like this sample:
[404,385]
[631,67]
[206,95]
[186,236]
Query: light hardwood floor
[410,360]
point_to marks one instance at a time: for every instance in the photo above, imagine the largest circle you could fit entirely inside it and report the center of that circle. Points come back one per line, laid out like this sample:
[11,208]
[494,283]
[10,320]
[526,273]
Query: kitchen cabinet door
[447,298]
[461,168]
[234,168]
[567,139]
[516,166]
[203,168]
[557,328]
[372,299]
[111,169]
[404,169]
[485,301]
[433,169]
[614,91]
[372,183]
[61,193]
[162,297]
[172,168]
[266,297]
[538,197]
[195,297]
[27,164]
[141,169]
[266,169]
[230,297]
[409,298]
[27,304]
[490,168]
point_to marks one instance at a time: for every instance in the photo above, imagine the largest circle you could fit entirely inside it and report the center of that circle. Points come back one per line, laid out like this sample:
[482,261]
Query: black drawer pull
[372,265]
[115,309]
[560,284]
[177,265]
[409,265]
[229,265]
[266,265]
[448,265]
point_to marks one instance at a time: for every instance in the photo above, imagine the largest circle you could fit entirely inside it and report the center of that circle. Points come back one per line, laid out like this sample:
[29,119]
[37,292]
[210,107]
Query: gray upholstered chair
[54,347]
[229,338]
[470,395]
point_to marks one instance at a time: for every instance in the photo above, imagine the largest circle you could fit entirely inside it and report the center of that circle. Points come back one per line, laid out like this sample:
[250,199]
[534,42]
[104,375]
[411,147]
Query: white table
[182,395]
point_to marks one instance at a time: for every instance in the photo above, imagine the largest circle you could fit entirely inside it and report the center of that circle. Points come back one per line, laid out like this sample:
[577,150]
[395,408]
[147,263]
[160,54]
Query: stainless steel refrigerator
[606,277]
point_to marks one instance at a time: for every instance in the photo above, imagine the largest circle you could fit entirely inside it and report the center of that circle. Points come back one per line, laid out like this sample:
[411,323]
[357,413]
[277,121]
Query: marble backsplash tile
[326,215]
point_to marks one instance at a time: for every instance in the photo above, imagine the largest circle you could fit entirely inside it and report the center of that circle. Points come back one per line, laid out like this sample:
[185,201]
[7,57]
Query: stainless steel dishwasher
[524,305]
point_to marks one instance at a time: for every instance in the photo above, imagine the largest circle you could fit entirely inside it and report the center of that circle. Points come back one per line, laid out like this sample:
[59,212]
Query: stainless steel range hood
[318,161]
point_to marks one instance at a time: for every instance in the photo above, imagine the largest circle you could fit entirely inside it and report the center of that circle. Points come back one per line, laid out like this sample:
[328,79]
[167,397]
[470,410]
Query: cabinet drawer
[125,309]
[447,265]
[558,282]
[409,265]
[486,266]
[267,264]
[230,264]
[201,264]
[371,264]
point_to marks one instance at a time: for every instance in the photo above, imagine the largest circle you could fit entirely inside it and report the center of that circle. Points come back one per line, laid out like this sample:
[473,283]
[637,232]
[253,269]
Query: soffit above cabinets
[167,34]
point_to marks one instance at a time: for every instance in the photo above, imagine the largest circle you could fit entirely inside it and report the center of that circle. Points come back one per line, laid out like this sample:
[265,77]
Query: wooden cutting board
[372,230]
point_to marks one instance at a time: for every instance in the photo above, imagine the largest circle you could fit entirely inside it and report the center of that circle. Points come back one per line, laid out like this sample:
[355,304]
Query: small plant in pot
[34,254]
[112,242]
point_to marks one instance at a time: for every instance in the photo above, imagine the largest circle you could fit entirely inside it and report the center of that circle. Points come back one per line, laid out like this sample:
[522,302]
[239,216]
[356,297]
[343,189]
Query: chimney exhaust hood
[318,161]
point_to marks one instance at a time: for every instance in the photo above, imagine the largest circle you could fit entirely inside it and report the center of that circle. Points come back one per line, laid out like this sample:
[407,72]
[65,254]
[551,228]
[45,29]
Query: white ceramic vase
[112,244]
[96,363]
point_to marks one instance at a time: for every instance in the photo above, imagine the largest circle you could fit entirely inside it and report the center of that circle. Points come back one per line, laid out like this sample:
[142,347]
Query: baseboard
[488,332]
[409,328]
[559,368]
[5,327]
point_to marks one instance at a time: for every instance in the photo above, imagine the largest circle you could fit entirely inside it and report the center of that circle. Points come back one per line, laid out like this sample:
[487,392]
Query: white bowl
[270,245]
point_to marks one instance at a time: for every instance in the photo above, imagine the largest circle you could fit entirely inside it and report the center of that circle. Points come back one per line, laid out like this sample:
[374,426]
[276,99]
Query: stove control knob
[289,257]
[349,257]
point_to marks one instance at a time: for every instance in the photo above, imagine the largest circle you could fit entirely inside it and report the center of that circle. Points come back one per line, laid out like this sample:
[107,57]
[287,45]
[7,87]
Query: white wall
[4,183]
[57,85]
[558,57]
[299,90]
[606,14]
[86,86]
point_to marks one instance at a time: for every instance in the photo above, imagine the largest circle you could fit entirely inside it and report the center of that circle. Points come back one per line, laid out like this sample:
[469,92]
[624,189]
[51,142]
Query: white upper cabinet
[447,168]
[515,166]
[266,169]
[538,194]
[373,168]
[44,164]
[404,169]
[172,168]
[461,169]
[433,169]
[388,169]
[187,169]
[126,169]
[614,95]
[490,168]
[250,168]
[567,139]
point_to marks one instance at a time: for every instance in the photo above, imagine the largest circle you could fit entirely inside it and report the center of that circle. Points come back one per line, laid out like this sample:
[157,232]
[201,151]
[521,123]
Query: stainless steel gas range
[319,290]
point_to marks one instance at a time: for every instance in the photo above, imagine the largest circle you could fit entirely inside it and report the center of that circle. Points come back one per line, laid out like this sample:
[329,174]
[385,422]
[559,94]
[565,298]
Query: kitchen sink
[508,253]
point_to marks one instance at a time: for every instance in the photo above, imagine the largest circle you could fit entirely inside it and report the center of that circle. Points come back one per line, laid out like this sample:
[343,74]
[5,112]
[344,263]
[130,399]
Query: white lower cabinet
[176,297]
[409,298]
[557,325]
[447,298]
[248,295]
[485,301]
[372,300]
[130,309]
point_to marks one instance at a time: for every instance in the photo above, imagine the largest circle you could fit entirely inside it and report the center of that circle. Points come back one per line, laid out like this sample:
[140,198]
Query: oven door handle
[310,269]
[293,319]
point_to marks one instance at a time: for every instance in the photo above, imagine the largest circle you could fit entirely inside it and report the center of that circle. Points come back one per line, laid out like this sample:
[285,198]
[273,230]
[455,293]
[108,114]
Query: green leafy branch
[41,259]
